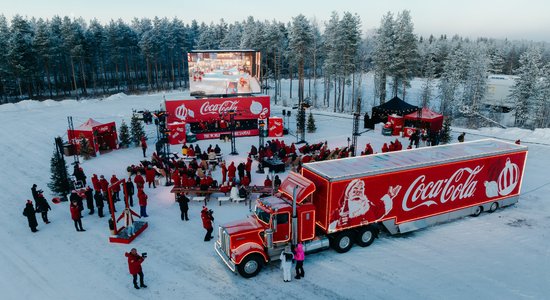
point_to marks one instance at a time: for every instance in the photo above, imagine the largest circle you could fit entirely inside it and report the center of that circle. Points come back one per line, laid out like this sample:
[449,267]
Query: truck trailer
[337,203]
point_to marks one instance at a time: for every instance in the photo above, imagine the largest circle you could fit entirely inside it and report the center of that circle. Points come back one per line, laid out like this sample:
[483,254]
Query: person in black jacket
[35,192]
[89,200]
[183,201]
[42,206]
[98,197]
[277,181]
[130,190]
[240,170]
[30,213]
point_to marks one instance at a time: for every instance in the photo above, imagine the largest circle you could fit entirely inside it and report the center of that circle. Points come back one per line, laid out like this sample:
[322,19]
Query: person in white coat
[286,263]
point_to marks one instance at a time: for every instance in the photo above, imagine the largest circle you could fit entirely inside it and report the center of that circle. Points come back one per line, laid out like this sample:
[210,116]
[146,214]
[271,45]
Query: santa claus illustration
[356,204]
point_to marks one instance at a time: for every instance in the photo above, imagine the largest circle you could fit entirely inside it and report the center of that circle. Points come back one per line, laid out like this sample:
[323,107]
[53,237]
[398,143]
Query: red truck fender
[245,249]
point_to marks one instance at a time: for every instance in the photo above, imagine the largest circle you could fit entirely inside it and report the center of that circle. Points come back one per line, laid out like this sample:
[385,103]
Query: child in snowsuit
[286,263]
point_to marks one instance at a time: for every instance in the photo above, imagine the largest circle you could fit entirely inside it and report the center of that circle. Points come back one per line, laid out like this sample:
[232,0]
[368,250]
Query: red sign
[275,127]
[177,133]
[419,193]
[196,110]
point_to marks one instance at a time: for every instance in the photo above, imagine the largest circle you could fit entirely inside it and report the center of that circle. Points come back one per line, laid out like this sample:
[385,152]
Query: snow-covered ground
[504,255]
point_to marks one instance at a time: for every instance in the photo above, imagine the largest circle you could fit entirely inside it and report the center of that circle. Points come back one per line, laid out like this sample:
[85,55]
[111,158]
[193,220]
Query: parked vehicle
[337,203]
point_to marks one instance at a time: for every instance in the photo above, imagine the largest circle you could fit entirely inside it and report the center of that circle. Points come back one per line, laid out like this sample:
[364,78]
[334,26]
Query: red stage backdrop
[197,110]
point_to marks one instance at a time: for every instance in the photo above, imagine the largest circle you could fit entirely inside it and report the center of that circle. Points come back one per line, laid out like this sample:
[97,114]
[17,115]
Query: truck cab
[276,221]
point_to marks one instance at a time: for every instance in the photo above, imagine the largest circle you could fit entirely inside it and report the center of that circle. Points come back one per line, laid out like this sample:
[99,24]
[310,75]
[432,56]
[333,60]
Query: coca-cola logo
[209,108]
[182,112]
[460,185]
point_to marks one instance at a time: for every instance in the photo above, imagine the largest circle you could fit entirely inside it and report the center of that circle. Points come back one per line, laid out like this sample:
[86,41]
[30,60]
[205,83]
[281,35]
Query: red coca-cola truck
[337,203]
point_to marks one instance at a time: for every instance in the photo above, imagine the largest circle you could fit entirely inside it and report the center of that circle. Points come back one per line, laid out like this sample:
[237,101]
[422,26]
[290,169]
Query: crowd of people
[192,170]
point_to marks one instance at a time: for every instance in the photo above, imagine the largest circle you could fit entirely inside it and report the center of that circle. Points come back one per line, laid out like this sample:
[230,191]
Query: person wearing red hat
[76,216]
[134,266]
[207,219]
[30,213]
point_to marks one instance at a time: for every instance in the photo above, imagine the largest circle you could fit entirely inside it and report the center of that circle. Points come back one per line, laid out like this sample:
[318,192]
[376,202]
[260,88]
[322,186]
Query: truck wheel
[250,266]
[477,211]
[342,242]
[366,235]
[493,207]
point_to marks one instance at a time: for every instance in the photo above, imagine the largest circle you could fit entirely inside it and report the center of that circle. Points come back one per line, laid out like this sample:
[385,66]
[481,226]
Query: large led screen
[224,72]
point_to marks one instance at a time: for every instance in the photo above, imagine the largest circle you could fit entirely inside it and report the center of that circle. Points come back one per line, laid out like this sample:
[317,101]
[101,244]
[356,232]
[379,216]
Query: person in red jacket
[385,148]
[116,188]
[143,145]
[104,184]
[95,183]
[150,177]
[268,182]
[207,219]
[139,181]
[224,172]
[368,149]
[245,181]
[191,152]
[142,197]
[176,178]
[75,215]
[231,170]
[134,266]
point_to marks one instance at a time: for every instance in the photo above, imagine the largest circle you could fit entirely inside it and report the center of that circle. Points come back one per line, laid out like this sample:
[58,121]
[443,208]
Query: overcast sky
[526,19]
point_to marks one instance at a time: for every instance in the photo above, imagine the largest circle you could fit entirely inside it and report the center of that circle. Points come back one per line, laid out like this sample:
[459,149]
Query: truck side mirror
[274,223]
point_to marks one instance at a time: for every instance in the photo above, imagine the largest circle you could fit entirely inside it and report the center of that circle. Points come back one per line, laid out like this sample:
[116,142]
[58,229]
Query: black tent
[394,106]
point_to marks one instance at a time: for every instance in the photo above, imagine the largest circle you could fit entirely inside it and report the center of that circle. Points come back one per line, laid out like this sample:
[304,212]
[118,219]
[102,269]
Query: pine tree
[59,183]
[85,148]
[137,130]
[125,139]
[446,131]
[311,123]
[525,91]
[405,53]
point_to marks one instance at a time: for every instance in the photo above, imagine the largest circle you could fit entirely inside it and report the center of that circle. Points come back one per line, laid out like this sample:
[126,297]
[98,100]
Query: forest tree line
[63,57]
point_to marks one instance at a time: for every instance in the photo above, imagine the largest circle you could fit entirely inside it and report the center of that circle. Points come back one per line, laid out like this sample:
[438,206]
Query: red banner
[197,110]
[275,127]
[420,193]
[216,135]
[177,133]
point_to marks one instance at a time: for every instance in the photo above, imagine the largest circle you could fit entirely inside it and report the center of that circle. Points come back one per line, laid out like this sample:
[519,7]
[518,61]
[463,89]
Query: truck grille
[224,241]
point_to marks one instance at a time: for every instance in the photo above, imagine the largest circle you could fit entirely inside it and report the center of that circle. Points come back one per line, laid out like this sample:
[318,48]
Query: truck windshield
[262,215]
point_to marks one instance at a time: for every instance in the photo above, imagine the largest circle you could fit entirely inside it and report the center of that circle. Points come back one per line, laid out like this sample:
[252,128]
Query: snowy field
[504,255]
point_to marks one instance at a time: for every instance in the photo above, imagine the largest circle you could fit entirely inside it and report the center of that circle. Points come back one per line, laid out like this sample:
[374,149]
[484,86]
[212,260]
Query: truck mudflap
[226,259]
